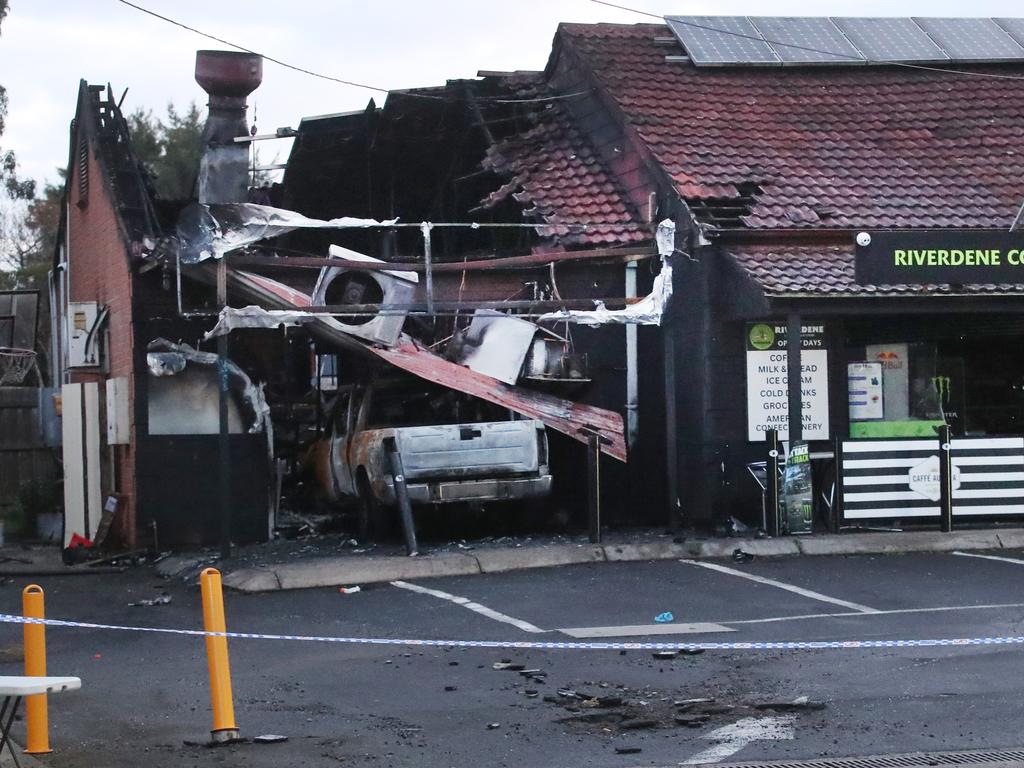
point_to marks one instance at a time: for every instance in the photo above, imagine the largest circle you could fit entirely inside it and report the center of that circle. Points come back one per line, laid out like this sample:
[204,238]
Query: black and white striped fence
[875,479]
[991,475]
[899,479]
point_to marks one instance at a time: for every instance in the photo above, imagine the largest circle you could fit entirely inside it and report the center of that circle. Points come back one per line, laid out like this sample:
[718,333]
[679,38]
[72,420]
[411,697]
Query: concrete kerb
[498,560]
[1012,538]
[909,541]
[351,570]
[759,547]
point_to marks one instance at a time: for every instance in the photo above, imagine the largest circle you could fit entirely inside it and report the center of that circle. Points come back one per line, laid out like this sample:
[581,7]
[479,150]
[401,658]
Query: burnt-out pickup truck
[453,449]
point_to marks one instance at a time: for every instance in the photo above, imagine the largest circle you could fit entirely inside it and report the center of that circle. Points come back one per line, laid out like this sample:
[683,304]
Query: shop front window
[908,389]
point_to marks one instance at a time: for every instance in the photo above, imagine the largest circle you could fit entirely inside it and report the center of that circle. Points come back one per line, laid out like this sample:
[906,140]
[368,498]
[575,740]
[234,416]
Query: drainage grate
[916,760]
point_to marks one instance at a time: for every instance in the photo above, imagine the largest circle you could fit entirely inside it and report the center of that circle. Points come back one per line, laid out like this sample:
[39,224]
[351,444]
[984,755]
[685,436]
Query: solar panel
[972,39]
[719,40]
[807,40]
[1013,27]
[891,40]
[763,40]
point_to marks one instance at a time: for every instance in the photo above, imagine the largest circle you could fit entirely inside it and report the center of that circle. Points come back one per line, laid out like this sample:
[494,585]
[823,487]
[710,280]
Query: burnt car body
[453,449]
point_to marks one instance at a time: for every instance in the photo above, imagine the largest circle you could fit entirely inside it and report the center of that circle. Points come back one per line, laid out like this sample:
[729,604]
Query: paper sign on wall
[864,384]
[895,360]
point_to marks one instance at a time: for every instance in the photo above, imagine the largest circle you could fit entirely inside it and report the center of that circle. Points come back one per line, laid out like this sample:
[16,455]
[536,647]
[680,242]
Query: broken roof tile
[551,169]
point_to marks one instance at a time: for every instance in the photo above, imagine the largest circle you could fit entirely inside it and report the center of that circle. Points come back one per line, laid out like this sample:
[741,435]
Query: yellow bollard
[224,728]
[36,715]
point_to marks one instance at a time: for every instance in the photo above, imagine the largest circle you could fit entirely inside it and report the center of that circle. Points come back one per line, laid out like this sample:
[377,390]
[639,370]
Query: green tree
[29,235]
[169,149]
[22,189]
[29,232]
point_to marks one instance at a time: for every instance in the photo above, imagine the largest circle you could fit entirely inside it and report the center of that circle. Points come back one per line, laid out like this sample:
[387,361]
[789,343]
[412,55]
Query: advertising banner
[797,490]
[895,361]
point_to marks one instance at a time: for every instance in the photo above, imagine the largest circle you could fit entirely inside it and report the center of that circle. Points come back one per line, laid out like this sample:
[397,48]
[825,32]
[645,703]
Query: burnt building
[676,206]
[771,155]
[153,405]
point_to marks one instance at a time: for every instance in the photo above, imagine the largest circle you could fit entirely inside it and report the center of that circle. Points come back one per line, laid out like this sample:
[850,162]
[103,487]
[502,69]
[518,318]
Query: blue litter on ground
[664,618]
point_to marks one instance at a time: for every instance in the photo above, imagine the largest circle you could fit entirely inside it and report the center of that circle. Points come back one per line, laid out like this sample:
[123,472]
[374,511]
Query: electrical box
[83,335]
[118,429]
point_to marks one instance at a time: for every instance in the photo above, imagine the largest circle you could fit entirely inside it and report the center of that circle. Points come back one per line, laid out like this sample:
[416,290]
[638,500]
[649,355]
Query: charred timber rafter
[547,305]
[784,236]
[532,260]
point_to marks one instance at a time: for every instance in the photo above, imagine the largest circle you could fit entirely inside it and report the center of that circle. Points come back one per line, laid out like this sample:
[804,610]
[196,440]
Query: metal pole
[224,472]
[594,487]
[671,445]
[632,380]
[771,492]
[221,699]
[837,493]
[428,264]
[37,741]
[945,479]
[402,495]
[793,371]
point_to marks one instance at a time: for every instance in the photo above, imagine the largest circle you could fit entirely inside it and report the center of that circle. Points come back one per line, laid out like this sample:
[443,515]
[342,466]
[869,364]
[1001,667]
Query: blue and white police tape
[802,645]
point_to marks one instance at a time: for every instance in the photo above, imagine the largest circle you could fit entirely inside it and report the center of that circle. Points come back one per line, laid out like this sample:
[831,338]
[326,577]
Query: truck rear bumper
[505,489]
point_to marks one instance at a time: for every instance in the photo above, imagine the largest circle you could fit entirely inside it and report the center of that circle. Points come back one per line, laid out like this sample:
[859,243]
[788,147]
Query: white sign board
[118,426]
[924,478]
[864,384]
[768,383]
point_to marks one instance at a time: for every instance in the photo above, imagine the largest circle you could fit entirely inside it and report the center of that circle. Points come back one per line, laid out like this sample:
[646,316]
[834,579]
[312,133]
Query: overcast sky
[47,46]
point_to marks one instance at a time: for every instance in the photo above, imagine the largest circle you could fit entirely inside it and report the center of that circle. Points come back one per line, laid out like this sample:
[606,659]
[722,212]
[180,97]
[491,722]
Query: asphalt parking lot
[146,694]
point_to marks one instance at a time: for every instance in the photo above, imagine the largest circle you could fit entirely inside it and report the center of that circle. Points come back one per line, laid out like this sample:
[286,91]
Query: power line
[221,40]
[834,54]
[339,80]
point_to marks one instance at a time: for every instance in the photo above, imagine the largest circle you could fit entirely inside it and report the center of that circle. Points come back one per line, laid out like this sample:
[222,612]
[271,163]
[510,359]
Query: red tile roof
[552,170]
[825,147]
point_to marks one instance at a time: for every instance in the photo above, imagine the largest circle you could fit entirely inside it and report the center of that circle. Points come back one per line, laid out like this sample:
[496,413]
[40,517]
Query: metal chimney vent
[228,77]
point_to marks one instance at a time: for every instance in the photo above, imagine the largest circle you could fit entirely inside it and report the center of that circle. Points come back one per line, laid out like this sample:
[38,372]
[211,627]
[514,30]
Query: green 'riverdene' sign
[956,256]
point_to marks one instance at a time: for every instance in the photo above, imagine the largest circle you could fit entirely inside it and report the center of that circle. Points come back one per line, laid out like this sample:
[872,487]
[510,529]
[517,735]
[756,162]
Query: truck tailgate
[470,450]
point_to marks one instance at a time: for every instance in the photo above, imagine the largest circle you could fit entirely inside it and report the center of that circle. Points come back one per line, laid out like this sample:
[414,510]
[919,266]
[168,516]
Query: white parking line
[465,602]
[1013,560]
[732,738]
[729,625]
[782,585]
[642,630]
[891,612]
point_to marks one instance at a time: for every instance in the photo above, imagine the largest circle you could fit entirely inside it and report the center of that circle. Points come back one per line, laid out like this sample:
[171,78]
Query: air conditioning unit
[338,286]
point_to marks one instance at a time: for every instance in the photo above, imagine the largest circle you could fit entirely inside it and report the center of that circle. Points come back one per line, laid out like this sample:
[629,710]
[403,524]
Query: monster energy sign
[954,257]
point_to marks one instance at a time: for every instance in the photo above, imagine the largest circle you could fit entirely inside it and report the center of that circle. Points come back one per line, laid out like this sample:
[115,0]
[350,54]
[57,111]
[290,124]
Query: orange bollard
[36,713]
[224,728]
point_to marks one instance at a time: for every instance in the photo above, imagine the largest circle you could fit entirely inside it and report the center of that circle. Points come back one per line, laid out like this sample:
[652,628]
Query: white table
[14,688]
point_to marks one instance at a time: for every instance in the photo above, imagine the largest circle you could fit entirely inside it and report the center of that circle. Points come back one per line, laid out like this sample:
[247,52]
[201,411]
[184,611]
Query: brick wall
[99,270]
